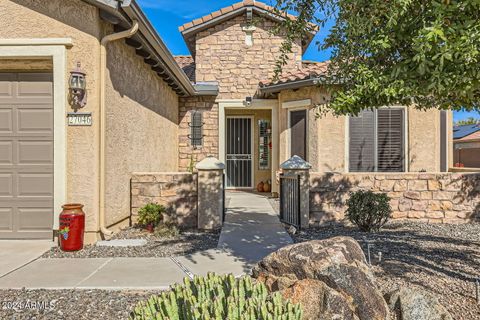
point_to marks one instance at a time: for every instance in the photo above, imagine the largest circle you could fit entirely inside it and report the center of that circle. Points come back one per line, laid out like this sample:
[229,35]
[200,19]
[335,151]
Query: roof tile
[308,70]
[188,66]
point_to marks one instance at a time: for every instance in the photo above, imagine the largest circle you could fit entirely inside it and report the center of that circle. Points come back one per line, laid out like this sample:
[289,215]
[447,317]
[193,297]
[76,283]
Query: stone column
[210,193]
[297,166]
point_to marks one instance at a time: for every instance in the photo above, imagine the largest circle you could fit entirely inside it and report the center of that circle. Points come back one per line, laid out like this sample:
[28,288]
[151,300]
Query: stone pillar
[297,166]
[210,193]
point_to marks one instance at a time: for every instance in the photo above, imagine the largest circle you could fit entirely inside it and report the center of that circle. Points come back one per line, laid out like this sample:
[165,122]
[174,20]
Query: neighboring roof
[460,132]
[214,18]
[188,66]
[148,44]
[307,75]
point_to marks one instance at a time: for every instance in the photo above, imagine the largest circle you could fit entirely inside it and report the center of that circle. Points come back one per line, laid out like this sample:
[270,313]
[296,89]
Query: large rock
[415,304]
[337,262]
[319,301]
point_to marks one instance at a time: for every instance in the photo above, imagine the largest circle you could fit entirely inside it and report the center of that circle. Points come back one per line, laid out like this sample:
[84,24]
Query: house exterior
[150,117]
[466,144]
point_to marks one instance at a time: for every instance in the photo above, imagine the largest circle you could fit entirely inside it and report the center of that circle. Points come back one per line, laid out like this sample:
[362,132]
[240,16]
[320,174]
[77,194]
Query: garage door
[26,155]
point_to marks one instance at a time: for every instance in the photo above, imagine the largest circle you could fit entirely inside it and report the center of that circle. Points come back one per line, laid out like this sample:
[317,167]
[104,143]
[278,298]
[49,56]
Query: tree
[385,52]
[469,120]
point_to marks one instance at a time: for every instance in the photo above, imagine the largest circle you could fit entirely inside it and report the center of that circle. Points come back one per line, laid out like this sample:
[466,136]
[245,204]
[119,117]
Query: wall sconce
[77,84]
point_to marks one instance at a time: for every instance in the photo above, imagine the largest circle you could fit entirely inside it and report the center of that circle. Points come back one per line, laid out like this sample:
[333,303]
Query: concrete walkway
[252,228]
[251,231]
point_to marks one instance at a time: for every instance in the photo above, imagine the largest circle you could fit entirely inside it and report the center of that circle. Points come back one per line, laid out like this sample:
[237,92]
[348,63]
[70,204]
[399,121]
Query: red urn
[72,227]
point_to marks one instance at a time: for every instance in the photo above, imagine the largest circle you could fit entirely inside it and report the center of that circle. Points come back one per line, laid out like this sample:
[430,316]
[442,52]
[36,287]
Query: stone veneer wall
[176,191]
[209,108]
[429,197]
[222,55]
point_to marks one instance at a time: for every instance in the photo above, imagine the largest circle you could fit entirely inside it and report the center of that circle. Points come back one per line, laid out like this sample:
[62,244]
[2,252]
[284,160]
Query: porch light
[77,84]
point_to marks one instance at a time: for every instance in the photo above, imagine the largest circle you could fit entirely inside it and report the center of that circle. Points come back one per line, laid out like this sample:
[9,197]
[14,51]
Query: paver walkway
[251,231]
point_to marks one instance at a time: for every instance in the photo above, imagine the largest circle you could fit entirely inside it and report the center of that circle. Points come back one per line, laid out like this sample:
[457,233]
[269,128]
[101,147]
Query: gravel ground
[186,242]
[443,259]
[69,304]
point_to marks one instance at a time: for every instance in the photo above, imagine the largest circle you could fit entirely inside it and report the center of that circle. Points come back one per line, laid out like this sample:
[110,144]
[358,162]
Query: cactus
[217,297]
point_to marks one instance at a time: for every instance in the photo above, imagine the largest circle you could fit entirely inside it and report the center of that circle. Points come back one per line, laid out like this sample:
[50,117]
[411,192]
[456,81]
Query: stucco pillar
[210,193]
[297,166]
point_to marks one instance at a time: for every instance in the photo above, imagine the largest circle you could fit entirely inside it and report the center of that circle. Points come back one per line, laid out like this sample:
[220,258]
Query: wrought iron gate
[239,152]
[290,200]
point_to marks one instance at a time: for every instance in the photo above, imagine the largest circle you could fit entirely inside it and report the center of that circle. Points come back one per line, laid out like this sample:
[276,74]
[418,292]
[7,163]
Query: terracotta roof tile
[188,66]
[308,70]
[231,8]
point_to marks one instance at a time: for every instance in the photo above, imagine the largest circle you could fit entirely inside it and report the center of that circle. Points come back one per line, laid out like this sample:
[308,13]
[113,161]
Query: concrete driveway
[17,253]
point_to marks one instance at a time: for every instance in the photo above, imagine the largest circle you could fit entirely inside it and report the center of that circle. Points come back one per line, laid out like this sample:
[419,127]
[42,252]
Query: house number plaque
[79,118]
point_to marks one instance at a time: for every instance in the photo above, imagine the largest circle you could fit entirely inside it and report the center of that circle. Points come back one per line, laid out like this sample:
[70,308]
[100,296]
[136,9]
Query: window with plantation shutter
[390,153]
[377,141]
[196,131]
[362,142]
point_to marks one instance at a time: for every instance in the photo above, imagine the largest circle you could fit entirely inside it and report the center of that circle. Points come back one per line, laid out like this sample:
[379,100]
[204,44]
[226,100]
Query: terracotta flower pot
[267,187]
[260,186]
[150,227]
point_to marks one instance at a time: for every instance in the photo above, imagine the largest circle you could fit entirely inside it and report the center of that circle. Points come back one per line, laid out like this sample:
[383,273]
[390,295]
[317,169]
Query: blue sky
[168,15]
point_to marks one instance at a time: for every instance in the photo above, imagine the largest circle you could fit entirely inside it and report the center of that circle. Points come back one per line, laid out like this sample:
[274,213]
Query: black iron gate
[290,200]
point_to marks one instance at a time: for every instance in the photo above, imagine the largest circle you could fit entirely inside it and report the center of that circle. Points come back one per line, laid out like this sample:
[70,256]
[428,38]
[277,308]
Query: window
[196,131]
[377,141]
[298,133]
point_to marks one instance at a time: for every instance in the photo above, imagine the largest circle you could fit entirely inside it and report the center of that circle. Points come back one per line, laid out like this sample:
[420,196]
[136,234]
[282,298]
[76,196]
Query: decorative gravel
[443,259]
[69,304]
[186,242]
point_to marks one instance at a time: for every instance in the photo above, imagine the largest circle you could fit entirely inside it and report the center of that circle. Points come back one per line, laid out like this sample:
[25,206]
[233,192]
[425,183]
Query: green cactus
[217,297]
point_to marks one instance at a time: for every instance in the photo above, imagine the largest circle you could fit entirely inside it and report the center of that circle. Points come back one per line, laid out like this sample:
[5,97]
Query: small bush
[368,210]
[217,298]
[167,231]
[150,214]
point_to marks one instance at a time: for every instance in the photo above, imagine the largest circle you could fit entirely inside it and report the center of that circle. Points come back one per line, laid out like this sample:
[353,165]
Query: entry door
[26,155]
[298,133]
[239,152]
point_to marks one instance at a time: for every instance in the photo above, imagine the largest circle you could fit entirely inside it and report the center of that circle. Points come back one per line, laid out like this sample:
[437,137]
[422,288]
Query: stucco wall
[79,21]
[435,198]
[222,55]
[141,126]
[327,135]
[142,112]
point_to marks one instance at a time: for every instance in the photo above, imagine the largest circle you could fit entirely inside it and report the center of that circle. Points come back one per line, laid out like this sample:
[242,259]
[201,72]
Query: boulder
[337,262]
[415,303]
[319,301]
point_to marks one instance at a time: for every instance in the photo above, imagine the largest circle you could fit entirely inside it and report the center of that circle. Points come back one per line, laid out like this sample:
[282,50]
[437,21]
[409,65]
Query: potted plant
[150,215]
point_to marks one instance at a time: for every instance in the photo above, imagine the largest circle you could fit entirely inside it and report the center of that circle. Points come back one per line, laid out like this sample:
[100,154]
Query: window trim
[405,139]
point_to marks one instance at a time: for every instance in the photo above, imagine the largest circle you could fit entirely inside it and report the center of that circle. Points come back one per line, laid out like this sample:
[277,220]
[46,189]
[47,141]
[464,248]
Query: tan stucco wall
[259,175]
[141,126]
[327,135]
[424,140]
[76,20]
[142,111]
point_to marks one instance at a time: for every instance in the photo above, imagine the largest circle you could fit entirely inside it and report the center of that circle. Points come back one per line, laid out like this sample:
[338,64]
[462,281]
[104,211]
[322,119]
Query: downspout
[103,67]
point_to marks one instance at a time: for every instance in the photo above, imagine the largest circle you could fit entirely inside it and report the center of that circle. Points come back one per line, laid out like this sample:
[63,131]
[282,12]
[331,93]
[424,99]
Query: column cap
[296,163]
[210,163]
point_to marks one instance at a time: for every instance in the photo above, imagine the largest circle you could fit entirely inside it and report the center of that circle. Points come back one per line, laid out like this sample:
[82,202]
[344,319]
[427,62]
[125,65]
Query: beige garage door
[26,155]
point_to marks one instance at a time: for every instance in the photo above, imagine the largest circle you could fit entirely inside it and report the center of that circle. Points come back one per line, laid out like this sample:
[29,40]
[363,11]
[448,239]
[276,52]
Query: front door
[239,152]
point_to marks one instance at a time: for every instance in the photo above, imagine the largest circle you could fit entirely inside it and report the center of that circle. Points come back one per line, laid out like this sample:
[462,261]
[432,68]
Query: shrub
[368,210]
[150,214]
[217,298]
[167,231]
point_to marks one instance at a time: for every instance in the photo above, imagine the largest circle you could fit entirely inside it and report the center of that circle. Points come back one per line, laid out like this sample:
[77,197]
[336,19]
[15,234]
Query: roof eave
[291,85]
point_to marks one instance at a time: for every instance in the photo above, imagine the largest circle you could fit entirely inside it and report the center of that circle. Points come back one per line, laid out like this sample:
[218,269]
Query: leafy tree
[469,120]
[385,52]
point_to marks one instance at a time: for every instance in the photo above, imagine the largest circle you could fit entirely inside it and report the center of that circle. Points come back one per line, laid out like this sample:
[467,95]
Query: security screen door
[239,152]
